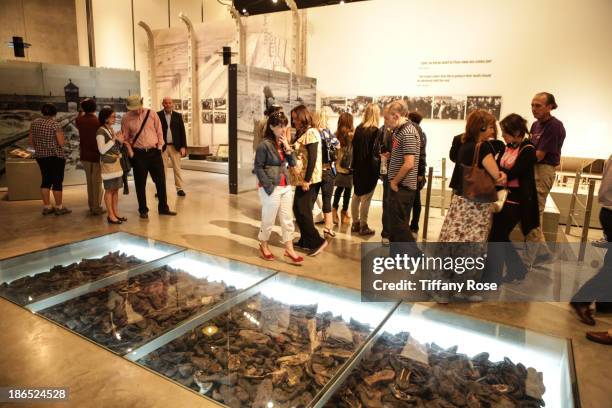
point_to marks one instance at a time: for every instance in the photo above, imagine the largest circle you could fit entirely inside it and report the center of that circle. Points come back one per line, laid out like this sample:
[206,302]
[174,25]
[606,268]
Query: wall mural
[264,88]
[26,86]
[431,107]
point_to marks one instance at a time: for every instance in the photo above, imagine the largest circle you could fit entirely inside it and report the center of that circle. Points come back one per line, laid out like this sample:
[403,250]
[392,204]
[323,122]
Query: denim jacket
[269,166]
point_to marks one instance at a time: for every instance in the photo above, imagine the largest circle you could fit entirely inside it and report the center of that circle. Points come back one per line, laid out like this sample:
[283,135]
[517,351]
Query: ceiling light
[244,11]
[274,1]
[341,2]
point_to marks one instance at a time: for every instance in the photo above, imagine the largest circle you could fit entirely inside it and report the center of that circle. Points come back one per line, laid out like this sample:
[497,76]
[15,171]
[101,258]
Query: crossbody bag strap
[476,154]
[141,127]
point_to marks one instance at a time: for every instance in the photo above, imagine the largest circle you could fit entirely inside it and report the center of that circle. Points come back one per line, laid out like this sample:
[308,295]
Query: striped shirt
[44,139]
[405,141]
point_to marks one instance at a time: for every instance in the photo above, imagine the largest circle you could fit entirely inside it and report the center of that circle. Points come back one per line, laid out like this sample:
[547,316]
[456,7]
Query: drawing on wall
[334,105]
[449,107]
[356,106]
[491,104]
[207,104]
[420,104]
[207,117]
[220,117]
[26,86]
[265,87]
[220,103]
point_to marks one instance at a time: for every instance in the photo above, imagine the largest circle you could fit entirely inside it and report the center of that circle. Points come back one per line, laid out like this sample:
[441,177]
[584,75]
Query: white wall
[113,29]
[561,46]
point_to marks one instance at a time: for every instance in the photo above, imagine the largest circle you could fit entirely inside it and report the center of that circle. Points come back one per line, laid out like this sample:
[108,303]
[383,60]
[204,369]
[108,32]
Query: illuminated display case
[242,336]
[43,278]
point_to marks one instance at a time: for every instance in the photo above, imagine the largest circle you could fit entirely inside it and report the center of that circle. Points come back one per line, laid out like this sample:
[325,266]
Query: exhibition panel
[129,313]
[422,355]
[41,279]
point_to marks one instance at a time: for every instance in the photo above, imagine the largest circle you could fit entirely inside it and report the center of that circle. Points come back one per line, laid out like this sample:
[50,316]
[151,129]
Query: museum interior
[106,302]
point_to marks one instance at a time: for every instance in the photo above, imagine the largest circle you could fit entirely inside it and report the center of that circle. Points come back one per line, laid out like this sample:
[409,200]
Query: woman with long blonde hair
[329,146]
[365,169]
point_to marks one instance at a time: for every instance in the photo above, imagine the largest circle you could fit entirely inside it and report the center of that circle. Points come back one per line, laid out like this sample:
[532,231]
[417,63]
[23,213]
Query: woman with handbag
[521,204]
[329,154]
[366,167]
[468,220]
[305,175]
[344,167]
[109,145]
[273,159]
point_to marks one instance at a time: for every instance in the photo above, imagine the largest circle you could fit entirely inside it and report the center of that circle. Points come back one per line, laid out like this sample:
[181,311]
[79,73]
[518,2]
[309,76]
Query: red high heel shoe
[268,257]
[294,259]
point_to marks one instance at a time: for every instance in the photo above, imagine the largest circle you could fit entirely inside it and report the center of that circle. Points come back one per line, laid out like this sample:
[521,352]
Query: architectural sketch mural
[26,86]
[256,89]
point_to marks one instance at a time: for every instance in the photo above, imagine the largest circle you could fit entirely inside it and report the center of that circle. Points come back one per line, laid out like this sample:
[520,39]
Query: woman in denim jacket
[273,158]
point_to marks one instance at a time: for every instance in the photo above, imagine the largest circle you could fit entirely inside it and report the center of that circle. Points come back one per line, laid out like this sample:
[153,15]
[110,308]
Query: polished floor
[36,352]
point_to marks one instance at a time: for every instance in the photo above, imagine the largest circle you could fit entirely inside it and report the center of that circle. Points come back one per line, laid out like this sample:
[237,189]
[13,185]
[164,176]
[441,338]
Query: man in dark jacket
[176,141]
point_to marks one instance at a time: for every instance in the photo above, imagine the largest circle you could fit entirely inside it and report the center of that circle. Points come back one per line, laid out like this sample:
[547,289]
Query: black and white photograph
[491,104]
[449,107]
[356,106]
[220,103]
[207,117]
[207,104]
[185,104]
[384,100]
[178,105]
[420,104]
[26,86]
[334,105]
[220,117]
[186,117]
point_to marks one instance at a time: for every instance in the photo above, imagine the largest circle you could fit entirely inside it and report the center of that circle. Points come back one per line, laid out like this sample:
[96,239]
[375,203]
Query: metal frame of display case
[79,290]
[321,397]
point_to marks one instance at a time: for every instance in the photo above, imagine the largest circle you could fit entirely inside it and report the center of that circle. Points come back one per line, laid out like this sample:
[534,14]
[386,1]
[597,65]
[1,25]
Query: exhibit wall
[506,49]
[50,28]
[254,90]
[26,86]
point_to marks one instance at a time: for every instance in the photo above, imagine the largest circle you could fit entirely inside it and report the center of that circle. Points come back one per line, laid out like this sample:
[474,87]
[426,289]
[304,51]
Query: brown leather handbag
[478,185]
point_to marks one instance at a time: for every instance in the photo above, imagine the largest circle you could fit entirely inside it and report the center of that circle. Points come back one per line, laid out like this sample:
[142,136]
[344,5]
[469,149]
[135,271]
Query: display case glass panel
[28,278]
[279,347]
[426,357]
[132,312]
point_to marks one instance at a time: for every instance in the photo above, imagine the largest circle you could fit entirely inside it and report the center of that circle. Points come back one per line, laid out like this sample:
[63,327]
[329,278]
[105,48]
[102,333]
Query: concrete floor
[36,352]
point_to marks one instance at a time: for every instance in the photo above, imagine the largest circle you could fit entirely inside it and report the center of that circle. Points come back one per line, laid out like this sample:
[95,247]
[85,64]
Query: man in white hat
[142,129]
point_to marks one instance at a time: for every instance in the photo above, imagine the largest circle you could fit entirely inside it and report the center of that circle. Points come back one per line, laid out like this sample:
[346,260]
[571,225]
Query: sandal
[267,257]
[296,260]
[330,232]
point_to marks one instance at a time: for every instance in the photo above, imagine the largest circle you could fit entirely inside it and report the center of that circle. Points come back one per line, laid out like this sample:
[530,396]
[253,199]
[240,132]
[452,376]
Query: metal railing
[587,207]
[428,196]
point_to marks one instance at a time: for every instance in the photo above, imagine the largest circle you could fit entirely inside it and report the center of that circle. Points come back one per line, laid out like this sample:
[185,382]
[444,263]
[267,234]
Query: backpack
[328,150]
[347,157]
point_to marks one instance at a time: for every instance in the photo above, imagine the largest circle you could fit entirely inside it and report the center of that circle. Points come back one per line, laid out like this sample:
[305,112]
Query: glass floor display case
[243,336]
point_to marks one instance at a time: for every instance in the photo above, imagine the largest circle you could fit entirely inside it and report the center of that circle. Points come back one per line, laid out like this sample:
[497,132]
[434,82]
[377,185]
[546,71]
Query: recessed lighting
[274,1]
[341,2]
[244,11]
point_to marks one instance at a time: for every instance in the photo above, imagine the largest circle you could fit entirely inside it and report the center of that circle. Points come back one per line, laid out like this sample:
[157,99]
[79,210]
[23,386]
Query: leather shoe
[181,193]
[168,212]
[583,312]
[600,337]
[603,307]
[144,215]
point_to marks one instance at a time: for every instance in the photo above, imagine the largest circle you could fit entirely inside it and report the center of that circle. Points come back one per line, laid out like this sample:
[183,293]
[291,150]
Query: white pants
[281,198]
